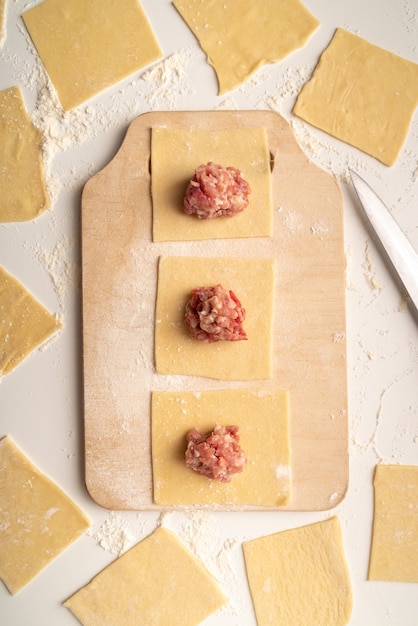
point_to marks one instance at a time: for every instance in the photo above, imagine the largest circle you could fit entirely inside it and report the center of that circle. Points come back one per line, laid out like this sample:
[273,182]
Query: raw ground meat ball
[216,191]
[215,314]
[217,454]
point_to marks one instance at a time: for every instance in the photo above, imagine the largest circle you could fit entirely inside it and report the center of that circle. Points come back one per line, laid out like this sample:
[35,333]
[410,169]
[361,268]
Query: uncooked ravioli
[89,46]
[240,36]
[361,94]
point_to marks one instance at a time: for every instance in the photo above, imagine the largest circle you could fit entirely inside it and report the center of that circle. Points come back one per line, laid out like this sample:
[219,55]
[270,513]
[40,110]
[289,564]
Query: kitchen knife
[398,248]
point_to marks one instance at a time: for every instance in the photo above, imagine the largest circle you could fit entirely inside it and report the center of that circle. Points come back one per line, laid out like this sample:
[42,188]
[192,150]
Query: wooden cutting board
[119,268]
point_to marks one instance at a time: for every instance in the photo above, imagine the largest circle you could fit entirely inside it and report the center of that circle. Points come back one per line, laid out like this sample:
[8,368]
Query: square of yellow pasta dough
[158,582]
[176,352]
[89,46]
[239,37]
[24,323]
[175,155]
[394,551]
[300,576]
[22,182]
[263,421]
[361,94]
[37,519]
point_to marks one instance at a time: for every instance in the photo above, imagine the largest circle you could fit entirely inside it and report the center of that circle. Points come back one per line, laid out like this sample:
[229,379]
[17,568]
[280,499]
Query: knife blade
[399,249]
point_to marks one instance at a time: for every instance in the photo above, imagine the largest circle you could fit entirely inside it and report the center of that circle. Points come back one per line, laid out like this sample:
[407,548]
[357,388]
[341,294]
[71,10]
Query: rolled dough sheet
[24,323]
[153,583]
[37,519]
[394,551]
[300,576]
[252,281]
[361,94]
[89,46]
[23,193]
[176,153]
[263,421]
[239,37]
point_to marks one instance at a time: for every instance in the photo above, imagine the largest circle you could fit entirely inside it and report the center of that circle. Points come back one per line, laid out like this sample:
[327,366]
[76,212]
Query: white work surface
[41,401]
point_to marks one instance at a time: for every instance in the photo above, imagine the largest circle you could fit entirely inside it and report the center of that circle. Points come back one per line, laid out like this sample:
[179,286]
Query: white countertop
[41,401]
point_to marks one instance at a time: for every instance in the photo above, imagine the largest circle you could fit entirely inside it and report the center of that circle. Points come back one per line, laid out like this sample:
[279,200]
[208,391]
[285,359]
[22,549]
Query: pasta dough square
[37,519]
[153,583]
[394,551]
[239,37]
[23,192]
[263,421]
[361,94]
[24,323]
[176,352]
[175,155]
[89,46]
[300,576]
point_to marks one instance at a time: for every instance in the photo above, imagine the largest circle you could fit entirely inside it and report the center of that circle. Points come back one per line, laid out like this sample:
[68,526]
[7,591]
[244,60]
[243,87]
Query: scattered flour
[168,80]
[338,337]
[370,270]
[280,97]
[292,221]
[409,16]
[328,152]
[69,443]
[228,104]
[319,228]
[114,535]
[292,81]
[64,272]
[333,498]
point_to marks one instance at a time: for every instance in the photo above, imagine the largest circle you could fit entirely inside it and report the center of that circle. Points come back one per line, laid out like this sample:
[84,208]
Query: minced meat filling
[216,191]
[215,314]
[217,454]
